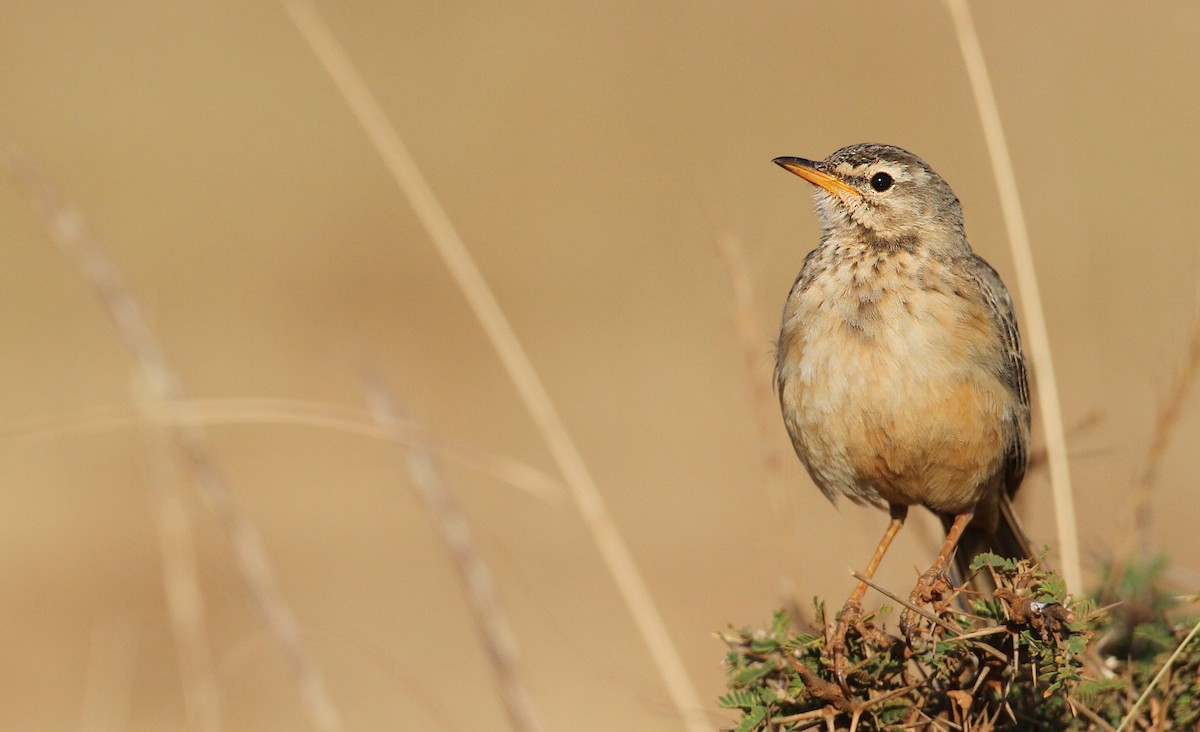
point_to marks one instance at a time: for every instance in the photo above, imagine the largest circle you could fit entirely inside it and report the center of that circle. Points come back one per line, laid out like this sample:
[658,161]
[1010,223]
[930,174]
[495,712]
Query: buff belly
[894,408]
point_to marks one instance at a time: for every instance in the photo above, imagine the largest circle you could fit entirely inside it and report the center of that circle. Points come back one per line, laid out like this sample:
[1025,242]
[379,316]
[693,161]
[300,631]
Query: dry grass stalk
[181,581]
[494,629]
[69,231]
[590,502]
[1164,429]
[1158,677]
[750,339]
[292,412]
[1037,333]
[1136,542]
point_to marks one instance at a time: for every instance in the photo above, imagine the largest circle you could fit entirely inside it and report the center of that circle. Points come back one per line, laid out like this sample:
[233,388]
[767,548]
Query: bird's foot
[932,586]
[851,616]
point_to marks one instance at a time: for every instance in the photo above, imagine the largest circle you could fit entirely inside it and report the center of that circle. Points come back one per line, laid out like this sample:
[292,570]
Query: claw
[932,586]
[908,625]
[851,614]
[852,611]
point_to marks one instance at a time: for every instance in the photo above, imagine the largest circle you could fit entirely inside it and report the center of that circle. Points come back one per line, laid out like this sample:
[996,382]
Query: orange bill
[808,170]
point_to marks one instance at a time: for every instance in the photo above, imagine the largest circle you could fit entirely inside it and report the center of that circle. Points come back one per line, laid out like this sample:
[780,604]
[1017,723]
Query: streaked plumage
[899,365]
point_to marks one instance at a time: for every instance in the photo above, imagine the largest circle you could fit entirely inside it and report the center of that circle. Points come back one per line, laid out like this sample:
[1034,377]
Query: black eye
[881,182]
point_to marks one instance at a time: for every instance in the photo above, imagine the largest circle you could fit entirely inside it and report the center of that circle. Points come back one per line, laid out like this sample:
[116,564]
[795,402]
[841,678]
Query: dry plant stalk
[1158,677]
[1136,542]
[294,412]
[1164,429]
[1031,300]
[70,233]
[747,326]
[494,629]
[496,326]
[181,581]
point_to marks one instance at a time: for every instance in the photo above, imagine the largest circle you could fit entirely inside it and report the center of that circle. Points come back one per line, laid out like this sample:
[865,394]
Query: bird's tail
[1008,540]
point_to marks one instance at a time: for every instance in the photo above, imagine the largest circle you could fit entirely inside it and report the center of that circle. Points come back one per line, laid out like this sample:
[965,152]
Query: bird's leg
[934,582]
[851,613]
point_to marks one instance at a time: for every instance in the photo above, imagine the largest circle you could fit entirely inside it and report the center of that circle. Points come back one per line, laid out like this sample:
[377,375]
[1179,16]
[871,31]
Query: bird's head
[886,192]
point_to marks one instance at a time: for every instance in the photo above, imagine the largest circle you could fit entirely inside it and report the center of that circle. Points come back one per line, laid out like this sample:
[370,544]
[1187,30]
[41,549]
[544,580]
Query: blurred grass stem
[494,629]
[750,338]
[69,231]
[1164,429]
[499,331]
[181,580]
[1038,338]
[294,412]
[1162,672]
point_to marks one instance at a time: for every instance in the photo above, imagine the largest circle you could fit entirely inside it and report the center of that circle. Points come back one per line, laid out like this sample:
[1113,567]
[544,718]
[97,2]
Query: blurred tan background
[589,154]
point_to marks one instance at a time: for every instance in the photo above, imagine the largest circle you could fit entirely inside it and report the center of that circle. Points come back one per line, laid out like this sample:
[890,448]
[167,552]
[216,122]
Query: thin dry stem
[1164,430]
[1162,672]
[1035,317]
[605,534]
[954,633]
[1094,718]
[242,411]
[69,231]
[1137,539]
[750,338]
[181,582]
[1038,458]
[494,629]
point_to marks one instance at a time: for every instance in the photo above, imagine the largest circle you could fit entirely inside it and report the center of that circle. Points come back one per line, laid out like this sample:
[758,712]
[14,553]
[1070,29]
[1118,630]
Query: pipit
[899,365]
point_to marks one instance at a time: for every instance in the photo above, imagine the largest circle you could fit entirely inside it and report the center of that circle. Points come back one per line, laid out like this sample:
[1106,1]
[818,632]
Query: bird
[899,367]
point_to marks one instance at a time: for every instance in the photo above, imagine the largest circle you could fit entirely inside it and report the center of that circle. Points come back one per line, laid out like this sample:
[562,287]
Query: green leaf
[752,720]
[747,676]
[763,646]
[780,625]
[1090,690]
[739,699]
[1077,645]
[801,641]
[1053,589]
[988,559]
